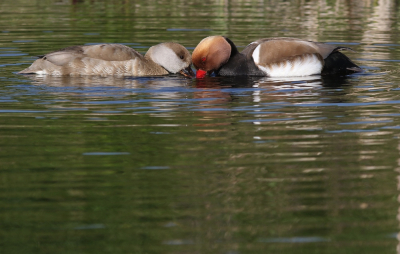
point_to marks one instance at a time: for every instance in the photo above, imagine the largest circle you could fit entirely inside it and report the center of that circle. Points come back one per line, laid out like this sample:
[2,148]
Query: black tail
[339,64]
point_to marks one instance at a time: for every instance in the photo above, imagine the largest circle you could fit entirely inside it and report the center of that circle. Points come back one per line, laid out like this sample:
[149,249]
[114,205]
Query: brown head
[171,56]
[210,54]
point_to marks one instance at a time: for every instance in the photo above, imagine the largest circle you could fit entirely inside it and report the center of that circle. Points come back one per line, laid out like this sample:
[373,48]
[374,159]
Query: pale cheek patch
[168,59]
[304,65]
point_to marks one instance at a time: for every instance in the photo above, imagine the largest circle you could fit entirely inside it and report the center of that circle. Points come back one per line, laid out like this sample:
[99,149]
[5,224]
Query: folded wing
[92,59]
[106,52]
[278,57]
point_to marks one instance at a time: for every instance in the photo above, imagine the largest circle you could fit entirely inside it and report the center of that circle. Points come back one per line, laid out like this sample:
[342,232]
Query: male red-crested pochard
[273,57]
[114,59]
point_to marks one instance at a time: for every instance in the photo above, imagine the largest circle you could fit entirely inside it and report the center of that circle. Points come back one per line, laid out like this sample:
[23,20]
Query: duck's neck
[234,50]
[149,66]
[238,64]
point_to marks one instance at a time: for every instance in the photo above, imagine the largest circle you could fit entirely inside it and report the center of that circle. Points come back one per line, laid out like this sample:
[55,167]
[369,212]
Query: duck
[271,57]
[114,59]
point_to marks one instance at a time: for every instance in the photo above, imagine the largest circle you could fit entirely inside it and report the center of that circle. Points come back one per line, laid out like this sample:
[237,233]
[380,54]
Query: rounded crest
[171,56]
[211,53]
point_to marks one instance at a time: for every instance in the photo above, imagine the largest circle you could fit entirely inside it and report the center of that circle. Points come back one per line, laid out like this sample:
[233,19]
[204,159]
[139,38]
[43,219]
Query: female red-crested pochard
[114,59]
[273,57]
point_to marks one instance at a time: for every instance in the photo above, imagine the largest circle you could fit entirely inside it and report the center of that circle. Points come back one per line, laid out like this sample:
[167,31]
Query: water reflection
[156,96]
[398,200]
[220,165]
[264,89]
[379,23]
[109,81]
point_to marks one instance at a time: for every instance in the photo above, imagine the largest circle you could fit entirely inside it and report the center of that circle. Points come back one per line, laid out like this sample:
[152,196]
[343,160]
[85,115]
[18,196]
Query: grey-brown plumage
[114,59]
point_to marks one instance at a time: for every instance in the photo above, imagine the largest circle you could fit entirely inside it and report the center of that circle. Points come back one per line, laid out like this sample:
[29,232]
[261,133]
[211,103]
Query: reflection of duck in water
[114,59]
[155,82]
[272,57]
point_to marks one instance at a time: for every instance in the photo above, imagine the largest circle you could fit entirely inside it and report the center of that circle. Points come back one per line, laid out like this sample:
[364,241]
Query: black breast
[240,65]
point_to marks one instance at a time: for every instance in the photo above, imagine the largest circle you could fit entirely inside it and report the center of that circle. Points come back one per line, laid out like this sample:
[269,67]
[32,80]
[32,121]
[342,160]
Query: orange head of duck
[210,54]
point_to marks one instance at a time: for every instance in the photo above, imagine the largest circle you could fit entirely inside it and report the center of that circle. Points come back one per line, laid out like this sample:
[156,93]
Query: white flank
[305,65]
[41,72]
[256,55]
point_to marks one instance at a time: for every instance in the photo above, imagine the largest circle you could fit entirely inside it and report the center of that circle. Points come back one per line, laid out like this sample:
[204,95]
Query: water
[220,165]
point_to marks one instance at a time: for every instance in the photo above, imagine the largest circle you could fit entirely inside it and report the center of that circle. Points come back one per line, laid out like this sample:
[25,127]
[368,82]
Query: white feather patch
[254,42]
[167,58]
[41,72]
[304,65]
[256,55]
[56,73]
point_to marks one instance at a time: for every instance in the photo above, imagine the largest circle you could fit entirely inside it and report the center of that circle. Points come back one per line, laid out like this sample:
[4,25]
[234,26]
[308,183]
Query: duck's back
[296,57]
[102,59]
[106,52]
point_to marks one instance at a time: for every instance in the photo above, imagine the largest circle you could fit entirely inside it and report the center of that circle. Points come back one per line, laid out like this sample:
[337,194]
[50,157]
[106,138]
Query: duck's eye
[203,59]
[182,57]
